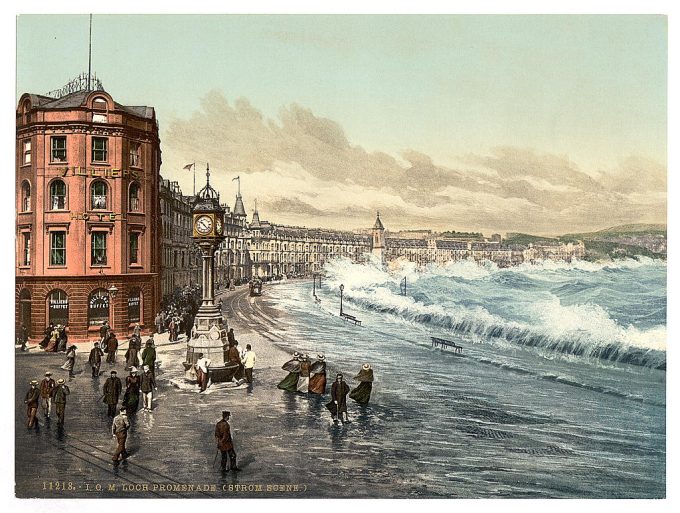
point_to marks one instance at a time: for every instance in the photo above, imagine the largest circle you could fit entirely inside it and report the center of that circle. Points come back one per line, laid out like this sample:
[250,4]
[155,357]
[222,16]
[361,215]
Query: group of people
[44,394]
[55,338]
[174,322]
[244,362]
[307,377]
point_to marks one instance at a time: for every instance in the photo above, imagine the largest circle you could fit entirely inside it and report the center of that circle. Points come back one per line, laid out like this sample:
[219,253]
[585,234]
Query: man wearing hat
[95,360]
[149,356]
[46,386]
[119,430]
[59,396]
[224,443]
[32,398]
[112,389]
[338,403]
[148,386]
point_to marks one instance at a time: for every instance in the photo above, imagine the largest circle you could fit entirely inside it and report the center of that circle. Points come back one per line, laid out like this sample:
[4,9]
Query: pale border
[8,29]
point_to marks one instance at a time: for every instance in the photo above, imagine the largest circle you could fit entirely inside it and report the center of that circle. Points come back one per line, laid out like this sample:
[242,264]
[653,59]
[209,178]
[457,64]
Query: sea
[560,389]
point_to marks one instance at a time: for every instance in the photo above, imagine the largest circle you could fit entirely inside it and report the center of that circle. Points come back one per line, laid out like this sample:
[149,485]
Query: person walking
[289,383]
[47,335]
[59,396]
[362,393]
[53,343]
[231,338]
[119,430]
[112,389]
[31,401]
[70,363]
[95,359]
[201,367]
[137,330]
[225,444]
[62,338]
[248,361]
[338,403]
[103,333]
[132,353]
[149,356]
[158,321]
[148,385]
[317,381]
[111,347]
[235,358]
[303,380]
[131,396]
[23,336]
[46,387]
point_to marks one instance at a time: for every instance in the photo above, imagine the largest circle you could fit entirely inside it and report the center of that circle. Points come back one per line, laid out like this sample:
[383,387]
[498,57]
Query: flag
[188,166]
[237,178]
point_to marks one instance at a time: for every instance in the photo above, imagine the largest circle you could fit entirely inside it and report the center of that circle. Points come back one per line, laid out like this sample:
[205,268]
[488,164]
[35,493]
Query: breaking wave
[613,311]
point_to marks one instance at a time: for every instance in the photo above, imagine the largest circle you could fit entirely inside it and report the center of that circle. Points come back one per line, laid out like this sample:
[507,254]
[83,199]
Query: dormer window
[100,104]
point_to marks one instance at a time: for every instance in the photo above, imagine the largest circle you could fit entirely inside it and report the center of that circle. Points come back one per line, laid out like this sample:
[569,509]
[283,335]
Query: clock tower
[209,334]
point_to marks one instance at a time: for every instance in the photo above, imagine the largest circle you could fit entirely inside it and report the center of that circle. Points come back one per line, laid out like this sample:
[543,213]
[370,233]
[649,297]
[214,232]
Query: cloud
[303,169]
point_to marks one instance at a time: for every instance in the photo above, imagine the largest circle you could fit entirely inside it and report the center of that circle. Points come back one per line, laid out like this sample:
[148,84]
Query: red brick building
[87,223]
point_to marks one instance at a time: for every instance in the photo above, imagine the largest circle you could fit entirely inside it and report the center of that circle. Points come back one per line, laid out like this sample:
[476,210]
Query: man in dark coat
[48,334]
[31,400]
[103,332]
[59,396]
[112,389]
[231,338]
[23,336]
[111,347]
[225,444]
[46,387]
[149,357]
[119,429]
[95,360]
[338,403]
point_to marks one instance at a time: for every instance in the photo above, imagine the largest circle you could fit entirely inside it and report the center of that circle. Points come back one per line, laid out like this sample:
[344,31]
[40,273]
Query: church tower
[378,239]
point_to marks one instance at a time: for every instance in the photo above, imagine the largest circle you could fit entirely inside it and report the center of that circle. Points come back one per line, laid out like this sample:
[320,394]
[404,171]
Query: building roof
[77,99]
[378,224]
[239,209]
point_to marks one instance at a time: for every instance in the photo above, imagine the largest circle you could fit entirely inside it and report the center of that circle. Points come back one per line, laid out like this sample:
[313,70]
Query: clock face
[218,226]
[204,225]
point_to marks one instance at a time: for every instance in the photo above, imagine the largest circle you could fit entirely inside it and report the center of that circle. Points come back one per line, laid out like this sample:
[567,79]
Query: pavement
[284,443]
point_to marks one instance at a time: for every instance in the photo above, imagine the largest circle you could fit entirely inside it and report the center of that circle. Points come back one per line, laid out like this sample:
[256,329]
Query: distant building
[87,223]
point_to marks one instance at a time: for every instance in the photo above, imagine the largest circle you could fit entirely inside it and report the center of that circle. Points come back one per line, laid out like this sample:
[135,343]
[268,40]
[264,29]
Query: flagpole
[194,178]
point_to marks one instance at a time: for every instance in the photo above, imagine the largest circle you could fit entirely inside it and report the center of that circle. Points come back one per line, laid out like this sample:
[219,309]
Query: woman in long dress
[70,362]
[289,383]
[62,339]
[131,355]
[131,397]
[317,382]
[303,380]
[362,393]
[54,341]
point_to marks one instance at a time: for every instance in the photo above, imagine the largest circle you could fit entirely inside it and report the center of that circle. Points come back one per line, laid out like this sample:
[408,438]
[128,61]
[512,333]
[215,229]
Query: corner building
[87,223]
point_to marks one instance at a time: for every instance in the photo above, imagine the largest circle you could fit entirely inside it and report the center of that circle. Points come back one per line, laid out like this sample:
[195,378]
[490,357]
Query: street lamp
[342,287]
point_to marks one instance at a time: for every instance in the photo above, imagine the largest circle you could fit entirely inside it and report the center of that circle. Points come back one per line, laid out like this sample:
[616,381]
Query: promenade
[286,444]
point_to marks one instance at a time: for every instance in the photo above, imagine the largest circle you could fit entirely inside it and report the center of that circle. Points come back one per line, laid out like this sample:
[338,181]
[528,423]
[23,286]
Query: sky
[494,123]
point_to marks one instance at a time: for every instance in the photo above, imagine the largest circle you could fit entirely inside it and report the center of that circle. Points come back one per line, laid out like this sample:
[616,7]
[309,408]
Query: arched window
[57,195]
[98,307]
[25,196]
[57,307]
[98,193]
[133,197]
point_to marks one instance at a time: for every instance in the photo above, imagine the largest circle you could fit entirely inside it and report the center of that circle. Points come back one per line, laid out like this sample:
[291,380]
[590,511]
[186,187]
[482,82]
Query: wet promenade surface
[286,444]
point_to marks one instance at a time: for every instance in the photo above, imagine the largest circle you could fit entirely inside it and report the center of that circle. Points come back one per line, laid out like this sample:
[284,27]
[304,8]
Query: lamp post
[314,284]
[342,287]
[112,290]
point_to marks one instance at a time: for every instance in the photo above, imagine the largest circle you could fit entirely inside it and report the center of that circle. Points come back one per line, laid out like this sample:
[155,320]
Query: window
[134,301]
[98,248]
[57,195]
[100,149]
[98,307]
[57,301]
[134,247]
[58,149]
[57,248]
[99,191]
[25,197]
[134,198]
[26,248]
[135,154]
[27,152]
